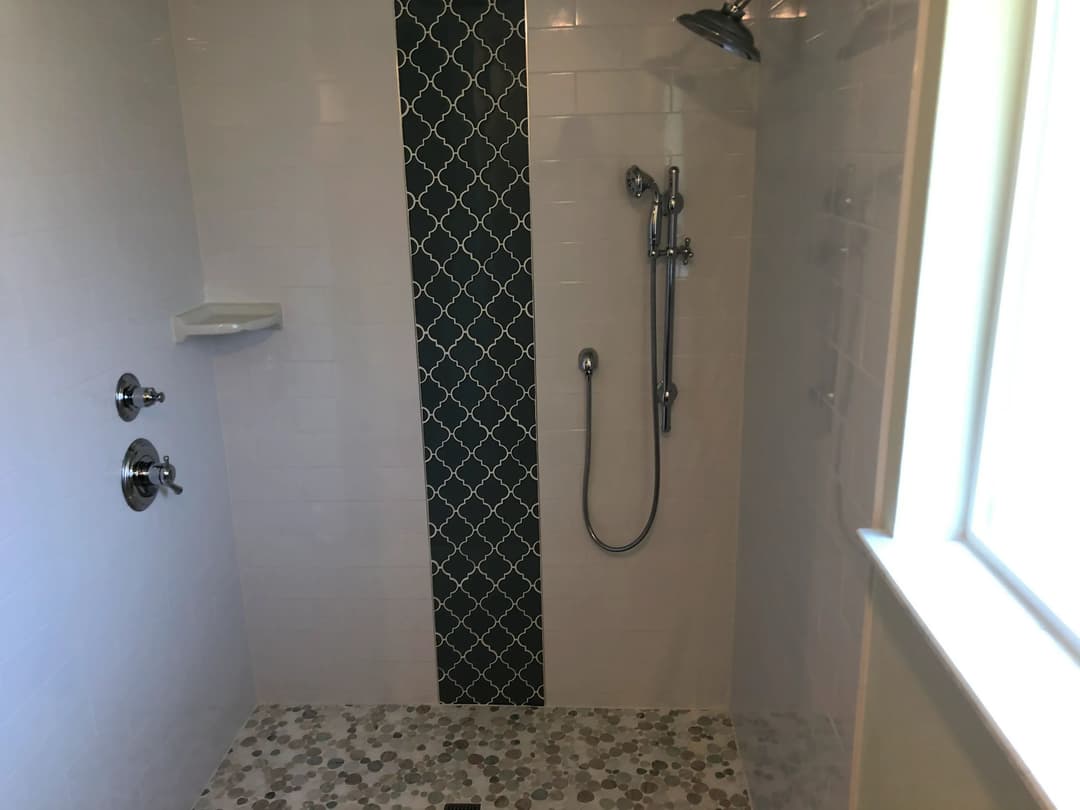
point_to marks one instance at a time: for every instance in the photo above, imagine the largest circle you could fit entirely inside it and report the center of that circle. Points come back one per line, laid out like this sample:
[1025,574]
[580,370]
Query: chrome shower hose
[653,398]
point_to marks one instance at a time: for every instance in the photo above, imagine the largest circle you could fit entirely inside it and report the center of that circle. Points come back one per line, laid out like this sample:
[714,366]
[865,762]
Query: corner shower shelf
[217,318]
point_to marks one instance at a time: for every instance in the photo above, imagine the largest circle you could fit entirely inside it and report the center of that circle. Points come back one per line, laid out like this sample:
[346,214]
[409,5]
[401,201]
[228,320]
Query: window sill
[1024,683]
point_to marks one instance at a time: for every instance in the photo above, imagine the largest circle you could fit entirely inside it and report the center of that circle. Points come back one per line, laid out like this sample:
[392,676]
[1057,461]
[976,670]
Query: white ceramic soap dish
[219,318]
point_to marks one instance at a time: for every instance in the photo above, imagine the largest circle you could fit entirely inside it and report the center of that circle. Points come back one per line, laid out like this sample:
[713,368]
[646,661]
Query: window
[990,447]
[1027,470]
[979,454]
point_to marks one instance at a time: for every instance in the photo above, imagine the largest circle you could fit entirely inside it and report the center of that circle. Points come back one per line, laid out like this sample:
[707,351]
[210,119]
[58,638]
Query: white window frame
[961,157]
[1020,185]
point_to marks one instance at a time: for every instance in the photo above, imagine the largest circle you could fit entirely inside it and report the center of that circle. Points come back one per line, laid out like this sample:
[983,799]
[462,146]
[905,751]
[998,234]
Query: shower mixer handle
[143,474]
[686,251]
[132,396]
[164,475]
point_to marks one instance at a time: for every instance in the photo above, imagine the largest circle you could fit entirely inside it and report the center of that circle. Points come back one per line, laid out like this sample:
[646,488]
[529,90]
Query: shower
[724,28]
[662,392]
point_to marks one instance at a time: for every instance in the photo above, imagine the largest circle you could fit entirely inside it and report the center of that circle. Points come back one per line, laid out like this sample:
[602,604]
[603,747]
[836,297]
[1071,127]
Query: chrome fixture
[724,28]
[131,397]
[662,393]
[587,361]
[673,204]
[143,474]
[637,183]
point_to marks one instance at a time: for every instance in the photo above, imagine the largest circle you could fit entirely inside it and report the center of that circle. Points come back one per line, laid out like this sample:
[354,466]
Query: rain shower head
[639,181]
[724,28]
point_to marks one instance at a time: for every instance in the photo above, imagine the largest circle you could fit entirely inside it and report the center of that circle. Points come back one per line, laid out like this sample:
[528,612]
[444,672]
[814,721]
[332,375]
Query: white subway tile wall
[611,84]
[125,659]
[834,90]
[294,135]
[123,665]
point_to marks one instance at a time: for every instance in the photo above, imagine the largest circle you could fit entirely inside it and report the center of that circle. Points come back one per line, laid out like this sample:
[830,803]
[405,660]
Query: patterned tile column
[464,114]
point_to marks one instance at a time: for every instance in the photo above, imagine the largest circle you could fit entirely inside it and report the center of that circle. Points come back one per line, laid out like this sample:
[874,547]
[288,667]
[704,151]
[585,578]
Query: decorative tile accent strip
[461,68]
[424,757]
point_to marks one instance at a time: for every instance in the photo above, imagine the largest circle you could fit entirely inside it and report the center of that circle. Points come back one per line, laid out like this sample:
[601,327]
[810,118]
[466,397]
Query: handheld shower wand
[637,183]
[668,203]
[662,392]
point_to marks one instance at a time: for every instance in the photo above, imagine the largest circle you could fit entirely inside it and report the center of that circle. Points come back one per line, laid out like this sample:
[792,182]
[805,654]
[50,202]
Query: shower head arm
[739,7]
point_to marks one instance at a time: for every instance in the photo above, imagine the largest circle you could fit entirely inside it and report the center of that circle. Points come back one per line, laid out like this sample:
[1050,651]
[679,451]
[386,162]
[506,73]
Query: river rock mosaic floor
[796,761]
[423,757]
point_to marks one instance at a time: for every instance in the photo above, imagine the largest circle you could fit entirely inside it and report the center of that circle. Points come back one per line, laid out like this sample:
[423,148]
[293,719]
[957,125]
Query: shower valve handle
[132,396]
[159,475]
[686,252]
[164,475]
[143,474]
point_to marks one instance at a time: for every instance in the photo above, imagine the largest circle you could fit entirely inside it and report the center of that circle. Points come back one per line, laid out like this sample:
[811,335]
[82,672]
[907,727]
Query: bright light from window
[1028,477]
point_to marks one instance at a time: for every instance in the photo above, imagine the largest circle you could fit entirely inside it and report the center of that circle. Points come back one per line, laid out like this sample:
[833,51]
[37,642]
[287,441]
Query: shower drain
[462,806]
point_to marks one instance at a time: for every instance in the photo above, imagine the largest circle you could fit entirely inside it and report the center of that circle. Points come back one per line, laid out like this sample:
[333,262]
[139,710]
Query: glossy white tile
[552,93]
[623,91]
[293,130]
[551,13]
[104,609]
[653,628]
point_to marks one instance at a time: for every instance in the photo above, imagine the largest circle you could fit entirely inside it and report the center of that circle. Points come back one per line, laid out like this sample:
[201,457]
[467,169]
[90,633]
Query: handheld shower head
[639,181]
[724,28]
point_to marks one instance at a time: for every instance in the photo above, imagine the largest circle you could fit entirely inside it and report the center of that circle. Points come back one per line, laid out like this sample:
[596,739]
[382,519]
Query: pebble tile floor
[425,757]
